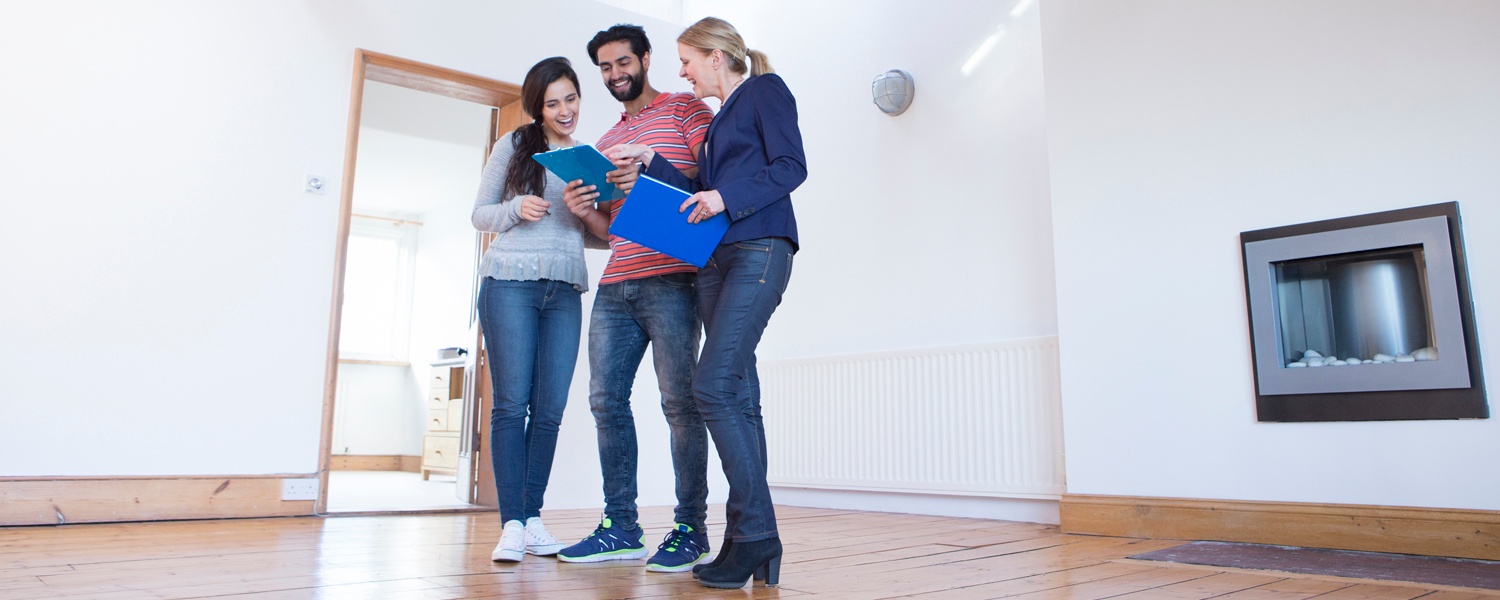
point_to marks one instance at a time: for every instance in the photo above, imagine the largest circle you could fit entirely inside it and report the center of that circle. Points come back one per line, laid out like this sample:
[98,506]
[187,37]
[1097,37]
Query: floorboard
[829,554]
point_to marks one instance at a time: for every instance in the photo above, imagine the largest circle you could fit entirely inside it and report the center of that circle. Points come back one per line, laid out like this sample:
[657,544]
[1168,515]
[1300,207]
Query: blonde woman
[748,167]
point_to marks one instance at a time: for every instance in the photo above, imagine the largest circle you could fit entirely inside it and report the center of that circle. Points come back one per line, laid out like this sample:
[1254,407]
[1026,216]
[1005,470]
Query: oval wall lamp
[893,91]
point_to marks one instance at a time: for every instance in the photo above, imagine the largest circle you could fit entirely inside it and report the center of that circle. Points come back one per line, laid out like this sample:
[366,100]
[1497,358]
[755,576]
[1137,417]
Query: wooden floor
[829,554]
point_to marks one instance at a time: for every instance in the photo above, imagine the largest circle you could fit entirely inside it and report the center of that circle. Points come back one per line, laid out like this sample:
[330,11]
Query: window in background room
[377,290]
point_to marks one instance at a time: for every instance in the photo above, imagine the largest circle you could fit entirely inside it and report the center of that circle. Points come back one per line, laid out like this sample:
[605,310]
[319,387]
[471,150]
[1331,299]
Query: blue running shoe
[607,542]
[682,548]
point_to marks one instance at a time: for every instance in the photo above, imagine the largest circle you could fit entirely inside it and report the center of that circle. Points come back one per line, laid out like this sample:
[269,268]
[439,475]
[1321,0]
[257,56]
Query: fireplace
[1363,318]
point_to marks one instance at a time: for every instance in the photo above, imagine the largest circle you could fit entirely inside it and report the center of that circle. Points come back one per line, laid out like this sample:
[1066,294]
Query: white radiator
[977,420]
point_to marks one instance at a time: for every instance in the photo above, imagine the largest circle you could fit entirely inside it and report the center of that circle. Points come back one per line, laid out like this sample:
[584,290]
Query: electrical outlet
[299,489]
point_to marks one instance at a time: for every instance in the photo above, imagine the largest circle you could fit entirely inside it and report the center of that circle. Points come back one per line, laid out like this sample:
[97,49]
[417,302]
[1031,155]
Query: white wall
[379,411]
[927,229]
[1174,126]
[176,276]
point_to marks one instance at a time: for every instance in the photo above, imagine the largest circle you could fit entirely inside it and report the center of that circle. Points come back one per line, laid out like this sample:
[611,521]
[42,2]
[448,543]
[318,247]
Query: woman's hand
[580,198]
[624,177]
[534,208]
[705,204]
[625,154]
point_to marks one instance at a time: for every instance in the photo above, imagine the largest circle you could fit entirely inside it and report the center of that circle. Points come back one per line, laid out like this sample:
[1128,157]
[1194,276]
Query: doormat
[1458,572]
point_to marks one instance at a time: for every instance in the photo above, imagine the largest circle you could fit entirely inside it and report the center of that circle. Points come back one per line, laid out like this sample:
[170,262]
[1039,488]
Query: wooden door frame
[478,399]
[410,74]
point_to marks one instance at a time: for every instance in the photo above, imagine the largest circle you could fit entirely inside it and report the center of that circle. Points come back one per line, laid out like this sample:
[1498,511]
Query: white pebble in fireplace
[1312,358]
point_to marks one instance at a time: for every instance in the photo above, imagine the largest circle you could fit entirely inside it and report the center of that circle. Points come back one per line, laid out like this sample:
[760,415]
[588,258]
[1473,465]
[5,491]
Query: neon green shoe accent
[606,543]
[682,549]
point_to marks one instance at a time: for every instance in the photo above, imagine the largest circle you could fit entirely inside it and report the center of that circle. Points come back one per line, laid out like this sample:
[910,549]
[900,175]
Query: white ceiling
[417,151]
[665,10]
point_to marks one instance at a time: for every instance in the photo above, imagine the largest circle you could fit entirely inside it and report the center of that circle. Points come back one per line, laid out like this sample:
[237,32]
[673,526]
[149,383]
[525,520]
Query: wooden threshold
[1405,530]
[27,501]
[446,510]
[378,363]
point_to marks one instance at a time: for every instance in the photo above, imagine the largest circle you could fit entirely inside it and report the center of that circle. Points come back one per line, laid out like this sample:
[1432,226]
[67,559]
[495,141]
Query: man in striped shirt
[646,297]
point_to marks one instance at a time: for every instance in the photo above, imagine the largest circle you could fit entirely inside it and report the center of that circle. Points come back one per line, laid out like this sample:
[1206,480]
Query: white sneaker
[538,541]
[512,544]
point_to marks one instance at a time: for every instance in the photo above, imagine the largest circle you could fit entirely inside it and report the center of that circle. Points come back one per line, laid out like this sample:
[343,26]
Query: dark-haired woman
[748,167]
[529,305]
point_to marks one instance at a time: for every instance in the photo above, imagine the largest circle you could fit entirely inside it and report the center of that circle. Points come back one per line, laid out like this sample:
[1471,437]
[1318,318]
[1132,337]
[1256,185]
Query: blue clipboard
[649,217]
[582,162]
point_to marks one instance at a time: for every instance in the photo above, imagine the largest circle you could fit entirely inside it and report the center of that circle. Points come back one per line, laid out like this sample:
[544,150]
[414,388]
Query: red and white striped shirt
[671,125]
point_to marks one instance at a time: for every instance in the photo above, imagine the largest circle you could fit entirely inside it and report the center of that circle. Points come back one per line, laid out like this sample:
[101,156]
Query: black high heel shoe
[746,559]
[718,558]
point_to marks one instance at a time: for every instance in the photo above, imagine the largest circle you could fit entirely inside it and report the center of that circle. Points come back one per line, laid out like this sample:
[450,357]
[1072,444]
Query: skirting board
[359,462]
[1405,530]
[104,500]
[1026,510]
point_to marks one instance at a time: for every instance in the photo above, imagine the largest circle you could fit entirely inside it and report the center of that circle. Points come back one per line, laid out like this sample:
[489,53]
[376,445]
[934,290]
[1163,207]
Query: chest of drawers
[445,403]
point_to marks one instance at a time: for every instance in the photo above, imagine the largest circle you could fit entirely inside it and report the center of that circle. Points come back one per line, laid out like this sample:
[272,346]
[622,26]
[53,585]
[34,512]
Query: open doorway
[407,383]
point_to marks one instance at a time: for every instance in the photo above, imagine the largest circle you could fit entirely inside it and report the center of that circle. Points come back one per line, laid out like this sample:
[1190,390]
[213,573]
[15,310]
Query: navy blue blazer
[753,157]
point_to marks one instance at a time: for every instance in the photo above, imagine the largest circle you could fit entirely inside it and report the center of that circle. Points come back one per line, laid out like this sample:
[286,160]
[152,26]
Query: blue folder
[582,162]
[649,217]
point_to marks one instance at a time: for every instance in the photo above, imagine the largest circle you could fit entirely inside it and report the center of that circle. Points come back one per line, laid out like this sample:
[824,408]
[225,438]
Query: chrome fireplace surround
[1363,318]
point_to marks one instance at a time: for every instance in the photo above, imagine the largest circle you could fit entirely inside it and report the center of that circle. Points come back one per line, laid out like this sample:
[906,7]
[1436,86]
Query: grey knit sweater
[551,248]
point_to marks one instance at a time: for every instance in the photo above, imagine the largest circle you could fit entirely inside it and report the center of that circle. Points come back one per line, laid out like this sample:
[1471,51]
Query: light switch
[315,184]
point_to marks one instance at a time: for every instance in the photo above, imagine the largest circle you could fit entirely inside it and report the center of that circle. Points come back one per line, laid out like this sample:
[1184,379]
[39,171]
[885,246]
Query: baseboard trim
[1407,530]
[1027,510]
[35,501]
[353,462]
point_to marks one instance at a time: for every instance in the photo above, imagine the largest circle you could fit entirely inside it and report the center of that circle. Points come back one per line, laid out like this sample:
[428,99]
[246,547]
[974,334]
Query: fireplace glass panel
[1355,308]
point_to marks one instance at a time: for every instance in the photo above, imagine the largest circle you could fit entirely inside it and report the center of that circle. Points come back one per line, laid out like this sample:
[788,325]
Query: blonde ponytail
[713,33]
[760,64]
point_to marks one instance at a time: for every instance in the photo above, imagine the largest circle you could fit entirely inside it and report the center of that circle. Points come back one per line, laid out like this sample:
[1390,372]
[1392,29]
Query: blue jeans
[531,329]
[661,311]
[738,289]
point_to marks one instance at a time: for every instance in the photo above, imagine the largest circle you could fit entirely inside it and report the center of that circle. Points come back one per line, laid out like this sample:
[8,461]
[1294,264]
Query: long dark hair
[526,176]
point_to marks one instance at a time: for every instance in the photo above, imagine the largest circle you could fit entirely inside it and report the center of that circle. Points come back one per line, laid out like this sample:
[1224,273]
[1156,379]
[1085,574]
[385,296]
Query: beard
[631,92]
